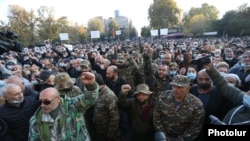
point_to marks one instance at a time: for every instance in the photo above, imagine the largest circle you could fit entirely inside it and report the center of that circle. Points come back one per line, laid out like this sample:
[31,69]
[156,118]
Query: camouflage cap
[121,59]
[142,88]
[85,63]
[136,55]
[63,81]
[181,81]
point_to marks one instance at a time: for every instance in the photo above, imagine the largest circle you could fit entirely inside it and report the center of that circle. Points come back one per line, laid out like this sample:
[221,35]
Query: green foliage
[236,22]
[96,24]
[199,20]
[145,32]
[163,13]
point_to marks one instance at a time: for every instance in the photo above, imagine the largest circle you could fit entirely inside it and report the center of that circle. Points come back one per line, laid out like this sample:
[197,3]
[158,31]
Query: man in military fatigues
[140,111]
[178,114]
[65,85]
[106,113]
[128,70]
[156,76]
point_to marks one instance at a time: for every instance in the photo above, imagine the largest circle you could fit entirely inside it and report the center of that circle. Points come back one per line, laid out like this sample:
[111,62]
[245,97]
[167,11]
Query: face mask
[16,102]
[172,72]
[191,76]
[181,59]
[195,55]
[162,56]
[62,64]
[27,72]
[221,47]
[2,83]
[246,100]
[79,68]
[102,67]
[229,59]
[9,67]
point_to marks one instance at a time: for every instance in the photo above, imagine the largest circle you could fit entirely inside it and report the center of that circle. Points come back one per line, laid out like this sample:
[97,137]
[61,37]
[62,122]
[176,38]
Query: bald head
[202,72]
[112,69]
[49,92]
[50,99]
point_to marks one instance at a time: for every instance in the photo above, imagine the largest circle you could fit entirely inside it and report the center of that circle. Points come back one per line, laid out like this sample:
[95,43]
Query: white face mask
[79,68]
[9,67]
[27,72]
[162,56]
[102,67]
[16,102]
[246,100]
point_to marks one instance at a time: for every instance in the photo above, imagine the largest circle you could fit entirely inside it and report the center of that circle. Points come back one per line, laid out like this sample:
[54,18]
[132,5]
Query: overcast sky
[136,10]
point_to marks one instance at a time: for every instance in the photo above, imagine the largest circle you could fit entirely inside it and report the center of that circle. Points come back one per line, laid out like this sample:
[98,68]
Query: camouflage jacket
[106,113]
[130,73]
[69,124]
[185,120]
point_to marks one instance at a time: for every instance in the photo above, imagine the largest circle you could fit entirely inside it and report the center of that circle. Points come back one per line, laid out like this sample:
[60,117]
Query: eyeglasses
[47,102]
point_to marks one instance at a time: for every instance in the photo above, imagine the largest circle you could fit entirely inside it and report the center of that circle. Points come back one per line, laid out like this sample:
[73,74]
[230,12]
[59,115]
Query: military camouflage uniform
[141,126]
[151,77]
[131,73]
[184,120]
[69,124]
[106,115]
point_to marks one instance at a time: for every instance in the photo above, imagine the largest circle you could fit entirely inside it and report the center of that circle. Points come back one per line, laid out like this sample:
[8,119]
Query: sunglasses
[47,102]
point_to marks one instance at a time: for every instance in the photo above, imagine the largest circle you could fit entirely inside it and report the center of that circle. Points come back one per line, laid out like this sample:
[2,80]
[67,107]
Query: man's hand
[126,55]
[208,66]
[88,78]
[125,88]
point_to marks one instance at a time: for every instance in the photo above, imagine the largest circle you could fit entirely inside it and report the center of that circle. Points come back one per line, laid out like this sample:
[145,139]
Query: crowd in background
[168,86]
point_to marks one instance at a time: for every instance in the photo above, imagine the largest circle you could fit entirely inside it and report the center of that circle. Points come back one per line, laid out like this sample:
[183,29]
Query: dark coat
[17,118]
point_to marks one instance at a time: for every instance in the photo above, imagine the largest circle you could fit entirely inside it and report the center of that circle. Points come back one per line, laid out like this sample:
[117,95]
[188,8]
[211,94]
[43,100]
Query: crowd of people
[165,89]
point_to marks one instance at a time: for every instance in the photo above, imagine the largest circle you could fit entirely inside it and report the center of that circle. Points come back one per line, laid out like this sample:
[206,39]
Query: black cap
[44,75]
[99,79]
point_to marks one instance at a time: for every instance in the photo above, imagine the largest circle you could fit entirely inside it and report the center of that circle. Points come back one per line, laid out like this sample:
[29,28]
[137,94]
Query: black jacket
[17,118]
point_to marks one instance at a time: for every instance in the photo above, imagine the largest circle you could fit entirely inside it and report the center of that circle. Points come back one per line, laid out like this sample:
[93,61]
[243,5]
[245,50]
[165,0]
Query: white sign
[154,32]
[64,36]
[164,31]
[26,50]
[43,49]
[70,47]
[95,34]
[46,42]
[37,49]
[118,32]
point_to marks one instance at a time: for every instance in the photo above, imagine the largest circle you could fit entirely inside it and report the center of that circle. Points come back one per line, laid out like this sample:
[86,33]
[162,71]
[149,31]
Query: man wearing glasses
[62,119]
[16,112]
